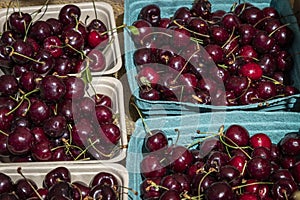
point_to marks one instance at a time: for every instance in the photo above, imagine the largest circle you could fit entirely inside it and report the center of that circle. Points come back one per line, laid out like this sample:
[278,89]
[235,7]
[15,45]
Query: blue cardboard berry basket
[275,124]
[166,108]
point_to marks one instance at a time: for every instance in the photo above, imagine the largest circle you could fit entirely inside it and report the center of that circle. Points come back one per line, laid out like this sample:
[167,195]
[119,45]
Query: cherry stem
[21,101]
[94,7]
[250,184]
[229,39]
[16,53]
[2,132]
[92,145]
[142,118]
[235,145]
[202,179]
[183,68]
[282,26]
[19,170]
[183,27]
[81,53]
[153,184]
[259,21]
[111,30]
[271,79]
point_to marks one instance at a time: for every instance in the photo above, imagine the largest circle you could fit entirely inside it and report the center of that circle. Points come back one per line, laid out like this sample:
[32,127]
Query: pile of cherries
[53,118]
[229,165]
[230,58]
[58,184]
[62,45]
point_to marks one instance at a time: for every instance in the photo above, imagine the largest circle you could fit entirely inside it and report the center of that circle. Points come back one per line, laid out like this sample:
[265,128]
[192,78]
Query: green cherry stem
[250,184]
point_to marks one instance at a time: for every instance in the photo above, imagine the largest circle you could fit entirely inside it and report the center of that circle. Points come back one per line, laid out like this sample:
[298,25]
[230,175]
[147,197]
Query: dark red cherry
[251,70]
[39,112]
[23,189]
[259,168]
[54,126]
[9,85]
[170,195]
[52,88]
[44,62]
[220,191]
[266,90]
[74,41]
[183,14]
[283,188]
[230,21]
[201,8]
[75,87]
[69,14]
[155,140]
[41,151]
[56,175]
[40,30]
[19,141]
[23,50]
[97,60]
[111,133]
[150,13]
[19,22]
[262,43]
[260,140]
[237,135]
[290,144]
[7,183]
[151,167]
[103,191]
[251,15]
[54,45]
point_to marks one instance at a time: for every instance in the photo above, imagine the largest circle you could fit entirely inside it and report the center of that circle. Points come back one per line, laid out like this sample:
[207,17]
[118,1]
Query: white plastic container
[113,88]
[104,13]
[83,173]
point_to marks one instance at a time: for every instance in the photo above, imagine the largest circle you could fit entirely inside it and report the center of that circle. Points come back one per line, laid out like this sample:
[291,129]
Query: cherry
[82,131]
[251,15]
[216,159]
[201,8]
[149,94]
[9,86]
[237,84]
[155,140]
[236,135]
[40,30]
[150,13]
[21,51]
[248,196]
[266,90]
[74,41]
[289,144]
[19,141]
[151,167]
[8,37]
[54,126]
[53,44]
[41,151]
[259,168]
[59,174]
[247,33]
[44,62]
[7,183]
[295,172]
[239,162]
[75,87]
[111,133]
[183,14]
[97,61]
[55,25]
[148,190]
[103,191]
[60,189]
[39,112]
[8,196]
[69,14]
[219,190]
[283,188]
[19,22]
[23,189]
[63,66]
[170,195]
[97,39]
[230,21]
[201,182]
[52,88]
[260,140]
[82,187]
[251,70]
[262,43]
